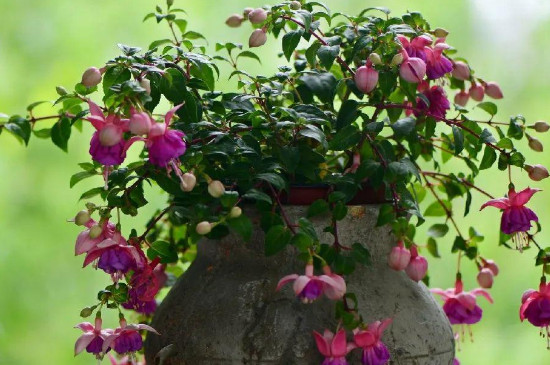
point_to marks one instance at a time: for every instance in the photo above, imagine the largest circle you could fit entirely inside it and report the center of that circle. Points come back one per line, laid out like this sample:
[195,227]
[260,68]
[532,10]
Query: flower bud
[366,79]
[234,21]
[257,16]
[82,218]
[461,98]
[485,278]
[257,38]
[216,188]
[91,77]
[235,212]
[375,58]
[417,268]
[247,11]
[440,33]
[295,5]
[492,89]
[86,312]
[203,228]
[140,123]
[413,70]
[61,91]
[491,265]
[146,84]
[537,172]
[541,126]
[397,60]
[477,92]
[535,144]
[95,231]
[461,70]
[399,257]
[110,135]
[188,182]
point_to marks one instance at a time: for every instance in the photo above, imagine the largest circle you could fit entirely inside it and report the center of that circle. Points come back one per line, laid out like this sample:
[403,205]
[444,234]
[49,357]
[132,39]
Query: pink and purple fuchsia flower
[438,102]
[369,340]
[92,340]
[516,217]
[126,339]
[309,287]
[333,347]
[535,308]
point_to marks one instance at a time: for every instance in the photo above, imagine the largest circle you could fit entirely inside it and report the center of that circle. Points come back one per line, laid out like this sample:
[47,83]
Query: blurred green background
[48,43]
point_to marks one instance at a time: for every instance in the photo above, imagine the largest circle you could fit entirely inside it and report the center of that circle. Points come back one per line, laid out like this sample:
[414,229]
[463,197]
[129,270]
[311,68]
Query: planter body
[225,310]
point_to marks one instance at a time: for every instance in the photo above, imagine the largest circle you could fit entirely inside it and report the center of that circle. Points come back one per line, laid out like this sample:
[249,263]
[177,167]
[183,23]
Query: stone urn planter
[225,310]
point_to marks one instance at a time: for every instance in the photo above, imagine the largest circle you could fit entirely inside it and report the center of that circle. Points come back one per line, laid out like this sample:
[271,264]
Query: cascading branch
[363,103]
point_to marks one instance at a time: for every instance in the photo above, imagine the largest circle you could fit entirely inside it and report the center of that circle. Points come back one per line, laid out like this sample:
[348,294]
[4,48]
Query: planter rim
[301,194]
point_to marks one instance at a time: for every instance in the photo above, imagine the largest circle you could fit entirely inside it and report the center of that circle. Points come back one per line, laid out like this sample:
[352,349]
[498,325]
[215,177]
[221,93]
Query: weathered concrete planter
[225,309]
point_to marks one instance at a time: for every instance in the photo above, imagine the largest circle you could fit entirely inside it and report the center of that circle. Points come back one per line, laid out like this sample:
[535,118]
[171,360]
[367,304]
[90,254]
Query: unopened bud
[491,265]
[110,135]
[366,79]
[234,21]
[257,38]
[375,58]
[535,144]
[203,228]
[82,218]
[247,11]
[461,98]
[235,212]
[257,16]
[399,257]
[461,70]
[86,312]
[295,5]
[537,172]
[492,89]
[417,268]
[140,123]
[216,188]
[541,126]
[95,231]
[440,33]
[91,77]
[485,278]
[397,60]
[146,84]
[188,182]
[61,91]
[477,92]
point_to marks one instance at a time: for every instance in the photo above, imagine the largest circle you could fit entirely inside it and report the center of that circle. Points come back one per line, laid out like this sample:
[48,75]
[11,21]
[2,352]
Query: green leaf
[307,17]
[436,209]
[404,127]
[19,127]
[458,139]
[489,158]
[276,180]
[505,143]
[242,226]
[61,132]
[318,207]
[79,176]
[489,107]
[165,251]
[249,54]
[327,55]
[276,239]
[346,137]
[114,76]
[302,241]
[361,254]
[385,215]
[291,41]
[344,265]
[432,247]
[91,193]
[339,211]
[438,230]
[34,105]
[312,131]
[349,112]
[257,195]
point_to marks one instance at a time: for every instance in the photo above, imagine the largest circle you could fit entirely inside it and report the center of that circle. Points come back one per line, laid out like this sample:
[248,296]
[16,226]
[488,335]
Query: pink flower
[374,350]
[140,122]
[485,278]
[437,64]
[516,217]
[92,339]
[107,144]
[461,98]
[366,78]
[417,46]
[535,306]
[85,242]
[461,70]
[399,257]
[309,287]
[477,92]
[144,286]
[460,306]
[417,267]
[126,338]
[439,104]
[125,360]
[333,347]
[492,89]
[412,69]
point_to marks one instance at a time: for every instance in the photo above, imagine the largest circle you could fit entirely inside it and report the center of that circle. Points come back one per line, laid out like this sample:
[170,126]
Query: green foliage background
[49,43]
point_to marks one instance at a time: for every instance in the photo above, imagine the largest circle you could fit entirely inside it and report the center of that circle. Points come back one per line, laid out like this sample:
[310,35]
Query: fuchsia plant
[365,103]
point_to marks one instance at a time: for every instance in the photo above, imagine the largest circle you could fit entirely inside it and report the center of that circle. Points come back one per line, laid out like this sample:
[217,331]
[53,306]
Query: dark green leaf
[458,139]
[19,127]
[438,230]
[61,132]
[348,113]
[489,158]
[79,176]
[327,55]
[276,239]
[242,226]
[404,127]
[489,107]
[432,247]
[318,207]
[276,180]
[165,251]
[290,42]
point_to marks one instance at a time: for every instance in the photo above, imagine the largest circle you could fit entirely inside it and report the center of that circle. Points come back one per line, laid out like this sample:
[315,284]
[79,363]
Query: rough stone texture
[225,310]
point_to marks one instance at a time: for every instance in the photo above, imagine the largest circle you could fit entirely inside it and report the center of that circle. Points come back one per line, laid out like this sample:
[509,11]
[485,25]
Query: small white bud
[216,188]
[82,218]
[203,228]
[235,212]
[95,231]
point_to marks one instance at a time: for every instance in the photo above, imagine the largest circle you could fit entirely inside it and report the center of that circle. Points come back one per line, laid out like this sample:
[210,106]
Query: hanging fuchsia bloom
[140,306]
[165,144]
[399,257]
[126,338]
[374,350]
[333,347]
[535,306]
[437,65]
[366,78]
[89,239]
[516,217]
[92,339]
[455,361]
[116,257]
[144,286]
[439,104]
[412,69]
[418,265]
[107,144]
[460,306]
[309,287]
[417,46]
